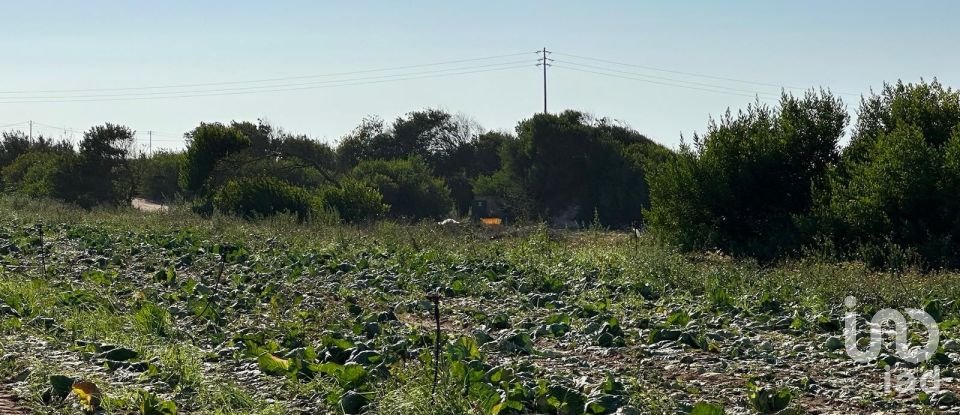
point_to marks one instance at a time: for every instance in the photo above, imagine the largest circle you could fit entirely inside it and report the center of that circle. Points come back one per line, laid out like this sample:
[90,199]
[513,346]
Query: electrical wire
[65,129]
[287,78]
[652,68]
[13,124]
[266,87]
[694,74]
[680,81]
[139,135]
[202,94]
[661,83]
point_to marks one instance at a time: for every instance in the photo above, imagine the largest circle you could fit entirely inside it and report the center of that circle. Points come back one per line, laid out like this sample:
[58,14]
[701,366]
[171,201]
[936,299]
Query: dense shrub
[895,194]
[103,173]
[354,201]
[744,186]
[507,191]
[572,166]
[262,196]
[38,174]
[98,174]
[407,186]
[16,143]
[158,175]
[206,145]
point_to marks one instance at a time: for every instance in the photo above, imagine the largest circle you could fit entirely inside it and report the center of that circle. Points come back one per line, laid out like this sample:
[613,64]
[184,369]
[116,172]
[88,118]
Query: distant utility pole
[150,143]
[544,61]
[31,131]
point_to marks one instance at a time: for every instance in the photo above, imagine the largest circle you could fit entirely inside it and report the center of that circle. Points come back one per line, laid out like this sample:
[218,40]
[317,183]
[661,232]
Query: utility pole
[150,143]
[31,131]
[544,61]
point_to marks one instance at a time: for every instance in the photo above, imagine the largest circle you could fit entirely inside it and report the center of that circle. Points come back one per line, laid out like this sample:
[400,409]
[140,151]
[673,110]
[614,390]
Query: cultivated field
[168,312]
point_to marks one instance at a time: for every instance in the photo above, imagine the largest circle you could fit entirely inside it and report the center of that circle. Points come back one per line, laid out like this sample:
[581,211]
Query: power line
[658,82]
[288,78]
[254,88]
[652,68]
[694,74]
[65,129]
[13,124]
[298,88]
[680,81]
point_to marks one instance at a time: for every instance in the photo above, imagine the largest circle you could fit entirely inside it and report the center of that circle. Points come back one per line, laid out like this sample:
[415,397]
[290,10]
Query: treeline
[568,168]
[773,182]
[766,182]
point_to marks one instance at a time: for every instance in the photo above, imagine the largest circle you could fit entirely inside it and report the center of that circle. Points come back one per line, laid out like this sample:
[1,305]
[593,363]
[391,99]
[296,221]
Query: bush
[104,175]
[574,167]
[158,175]
[407,186]
[508,192]
[743,186]
[207,144]
[894,194]
[15,144]
[262,196]
[37,174]
[354,201]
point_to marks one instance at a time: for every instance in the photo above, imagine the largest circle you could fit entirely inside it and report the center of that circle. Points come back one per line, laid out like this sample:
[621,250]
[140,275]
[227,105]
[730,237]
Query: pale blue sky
[848,46]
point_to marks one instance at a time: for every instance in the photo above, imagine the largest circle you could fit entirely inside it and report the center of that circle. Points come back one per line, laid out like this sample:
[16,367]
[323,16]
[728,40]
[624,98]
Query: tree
[362,144]
[305,152]
[103,173]
[407,186]
[38,174]
[15,143]
[354,201]
[929,106]
[206,145]
[262,196]
[894,194]
[572,167]
[261,135]
[742,186]
[158,175]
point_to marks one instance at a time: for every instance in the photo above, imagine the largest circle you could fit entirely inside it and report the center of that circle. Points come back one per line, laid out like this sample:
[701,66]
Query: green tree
[744,185]
[262,196]
[572,166]
[16,143]
[38,174]
[206,145]
[931,107]
[354,201]
[407,186]
[103,172]
[894,194]
[158,175]
[363,143]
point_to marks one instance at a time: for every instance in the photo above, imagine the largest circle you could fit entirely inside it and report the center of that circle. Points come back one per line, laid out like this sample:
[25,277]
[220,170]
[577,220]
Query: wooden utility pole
[544,61]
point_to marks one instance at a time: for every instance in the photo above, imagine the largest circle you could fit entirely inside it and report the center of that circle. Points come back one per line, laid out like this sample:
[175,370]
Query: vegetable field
[122,312]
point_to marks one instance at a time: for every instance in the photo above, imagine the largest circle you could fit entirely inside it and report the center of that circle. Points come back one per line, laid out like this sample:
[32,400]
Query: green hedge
[262,196]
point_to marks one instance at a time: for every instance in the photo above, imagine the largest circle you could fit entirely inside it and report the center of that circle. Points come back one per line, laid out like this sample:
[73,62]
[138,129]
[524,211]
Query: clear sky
[848,46]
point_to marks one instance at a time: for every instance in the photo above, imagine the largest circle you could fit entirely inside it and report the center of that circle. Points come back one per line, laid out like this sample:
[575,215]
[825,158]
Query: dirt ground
[147,205]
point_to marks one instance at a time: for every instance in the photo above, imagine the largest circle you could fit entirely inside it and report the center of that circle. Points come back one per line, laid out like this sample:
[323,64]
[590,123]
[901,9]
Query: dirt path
[147,206]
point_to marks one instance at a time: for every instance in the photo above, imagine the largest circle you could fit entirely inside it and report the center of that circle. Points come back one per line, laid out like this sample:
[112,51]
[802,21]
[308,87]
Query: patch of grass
[151,319]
